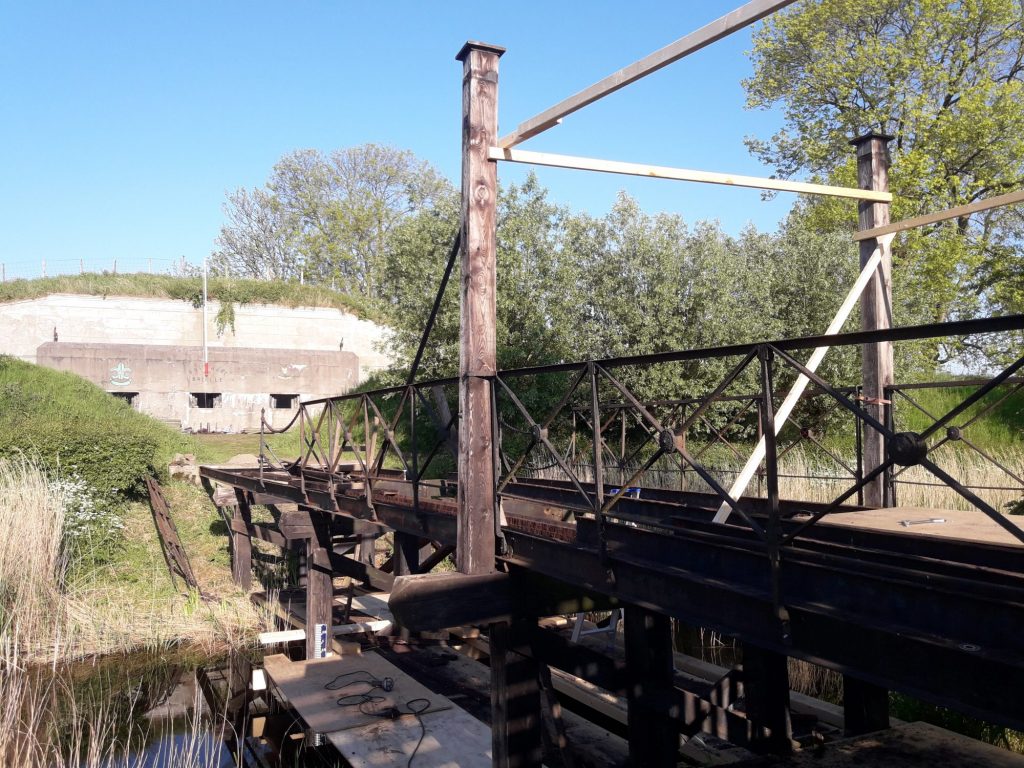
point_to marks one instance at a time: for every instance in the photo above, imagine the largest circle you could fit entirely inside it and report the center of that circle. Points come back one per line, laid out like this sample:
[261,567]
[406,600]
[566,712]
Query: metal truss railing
[415,423]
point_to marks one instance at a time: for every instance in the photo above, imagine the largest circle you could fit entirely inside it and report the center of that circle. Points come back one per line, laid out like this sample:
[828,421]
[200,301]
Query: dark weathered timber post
[478,313]
[319,588]
[875,304]
[653,733]
[516,723]
[241,542]
[766,686]
[866,706]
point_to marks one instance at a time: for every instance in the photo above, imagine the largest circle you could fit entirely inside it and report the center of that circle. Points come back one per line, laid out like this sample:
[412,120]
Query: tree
[256,241]
[335,214]
[946,80]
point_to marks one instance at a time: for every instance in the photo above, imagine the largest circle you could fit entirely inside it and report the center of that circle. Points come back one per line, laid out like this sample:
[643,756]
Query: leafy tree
[331,215]
[946,79]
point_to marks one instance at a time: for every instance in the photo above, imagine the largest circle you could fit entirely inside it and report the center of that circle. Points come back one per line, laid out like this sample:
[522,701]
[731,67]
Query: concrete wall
[167,377]
[24,325]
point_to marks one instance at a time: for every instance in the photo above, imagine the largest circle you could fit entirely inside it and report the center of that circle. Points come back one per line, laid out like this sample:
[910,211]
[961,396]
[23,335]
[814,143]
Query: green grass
[226,290]
[1002,427]
[72,426]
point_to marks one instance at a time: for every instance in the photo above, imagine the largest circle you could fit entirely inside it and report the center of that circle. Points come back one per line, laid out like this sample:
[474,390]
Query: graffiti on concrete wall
[121,375]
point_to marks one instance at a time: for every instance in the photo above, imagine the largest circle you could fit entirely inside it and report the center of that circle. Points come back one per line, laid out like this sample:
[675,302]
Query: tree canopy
[946,80]
[330,216]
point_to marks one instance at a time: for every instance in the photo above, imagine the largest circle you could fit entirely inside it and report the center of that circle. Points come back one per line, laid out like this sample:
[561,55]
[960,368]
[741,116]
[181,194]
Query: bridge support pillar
[515,697]
[865,707]
[766,687]
[653,732]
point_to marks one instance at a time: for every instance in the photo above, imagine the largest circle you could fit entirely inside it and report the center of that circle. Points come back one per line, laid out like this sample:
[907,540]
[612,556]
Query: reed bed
[51,612]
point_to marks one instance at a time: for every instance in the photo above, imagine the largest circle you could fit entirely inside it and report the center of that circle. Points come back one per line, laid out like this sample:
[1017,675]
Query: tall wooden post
[478,316]
[866,705]
[875,304]
[319,588]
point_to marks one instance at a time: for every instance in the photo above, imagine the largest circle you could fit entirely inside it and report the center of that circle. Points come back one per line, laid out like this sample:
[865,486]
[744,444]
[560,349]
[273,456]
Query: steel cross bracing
[938,618]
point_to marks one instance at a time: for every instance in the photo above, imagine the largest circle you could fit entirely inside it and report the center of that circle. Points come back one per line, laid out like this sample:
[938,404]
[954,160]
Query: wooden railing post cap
[865,138]
[475,45]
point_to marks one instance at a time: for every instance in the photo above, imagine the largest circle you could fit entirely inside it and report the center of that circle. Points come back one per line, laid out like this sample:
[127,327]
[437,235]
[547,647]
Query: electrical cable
[367,702]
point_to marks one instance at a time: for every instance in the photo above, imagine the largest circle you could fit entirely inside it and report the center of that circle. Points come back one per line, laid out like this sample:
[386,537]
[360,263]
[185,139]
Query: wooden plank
[681,174]
[451,739]
[354,628]
[478,309]
[735,20]
[939,216]
[302,684]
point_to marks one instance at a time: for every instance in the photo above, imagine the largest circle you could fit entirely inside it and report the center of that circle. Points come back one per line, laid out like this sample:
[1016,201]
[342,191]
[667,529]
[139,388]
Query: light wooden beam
[735,20]
[682,174]
[934,218]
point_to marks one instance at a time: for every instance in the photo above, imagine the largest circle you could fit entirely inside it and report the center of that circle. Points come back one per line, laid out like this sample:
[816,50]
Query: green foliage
[330,217]
[1001,427]
[946,80]
[75,428]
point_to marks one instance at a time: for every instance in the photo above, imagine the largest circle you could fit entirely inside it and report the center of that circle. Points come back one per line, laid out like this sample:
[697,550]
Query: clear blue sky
[124,124]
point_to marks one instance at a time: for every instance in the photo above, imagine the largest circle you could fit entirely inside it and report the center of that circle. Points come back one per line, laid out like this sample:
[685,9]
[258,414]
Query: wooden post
[865,707]
[653,733]
[875,303]
[241,542]
[766,687]
[319,588]
[478,315]
[516,735]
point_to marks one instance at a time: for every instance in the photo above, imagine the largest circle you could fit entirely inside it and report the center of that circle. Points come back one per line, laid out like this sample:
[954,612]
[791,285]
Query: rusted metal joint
[667,440]
[907,449]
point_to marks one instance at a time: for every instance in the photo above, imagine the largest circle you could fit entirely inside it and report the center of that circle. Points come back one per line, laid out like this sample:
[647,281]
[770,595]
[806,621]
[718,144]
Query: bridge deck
[907,609]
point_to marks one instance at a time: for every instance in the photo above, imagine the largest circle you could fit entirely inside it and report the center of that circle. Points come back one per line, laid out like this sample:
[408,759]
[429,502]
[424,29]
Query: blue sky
[125,123]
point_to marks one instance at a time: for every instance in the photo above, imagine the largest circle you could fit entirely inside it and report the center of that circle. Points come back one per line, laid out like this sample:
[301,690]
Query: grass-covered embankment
[81,569]
[190,289]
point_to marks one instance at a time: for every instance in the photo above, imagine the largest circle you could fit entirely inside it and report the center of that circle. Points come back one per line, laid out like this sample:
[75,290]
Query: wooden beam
[682,174]
[319,589]
[735,20]
[241,543]
[356,627]
[934,218]
[478,309]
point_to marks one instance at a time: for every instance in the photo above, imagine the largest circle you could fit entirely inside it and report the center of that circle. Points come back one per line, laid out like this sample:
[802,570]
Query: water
[141,710]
